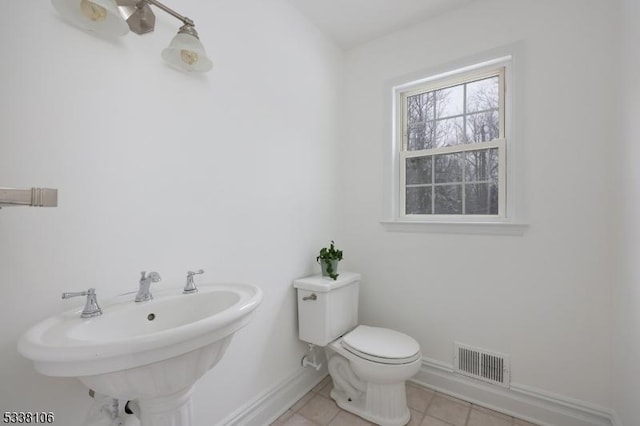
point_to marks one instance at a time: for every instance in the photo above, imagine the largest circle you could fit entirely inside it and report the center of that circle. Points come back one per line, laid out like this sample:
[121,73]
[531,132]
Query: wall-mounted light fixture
[117,17]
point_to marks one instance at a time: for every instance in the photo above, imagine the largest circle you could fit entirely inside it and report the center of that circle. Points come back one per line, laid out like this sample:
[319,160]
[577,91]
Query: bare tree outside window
[464,182]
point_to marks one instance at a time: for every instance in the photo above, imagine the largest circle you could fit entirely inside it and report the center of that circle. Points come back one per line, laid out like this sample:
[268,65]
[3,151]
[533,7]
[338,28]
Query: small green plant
[330,257]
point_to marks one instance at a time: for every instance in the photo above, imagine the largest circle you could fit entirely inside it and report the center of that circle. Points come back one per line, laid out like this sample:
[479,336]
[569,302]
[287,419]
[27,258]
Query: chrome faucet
[91,308]
[145,282]
[190,286]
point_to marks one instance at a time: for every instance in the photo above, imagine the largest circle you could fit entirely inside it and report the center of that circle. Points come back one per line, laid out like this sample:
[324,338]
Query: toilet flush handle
[312,296]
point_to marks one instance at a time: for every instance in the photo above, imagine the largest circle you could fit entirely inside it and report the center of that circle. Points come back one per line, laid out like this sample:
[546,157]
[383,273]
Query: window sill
[483,228]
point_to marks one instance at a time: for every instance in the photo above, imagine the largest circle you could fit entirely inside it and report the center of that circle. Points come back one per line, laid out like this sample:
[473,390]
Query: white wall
[544,297]
[156,170]
[626,299]
[162,171]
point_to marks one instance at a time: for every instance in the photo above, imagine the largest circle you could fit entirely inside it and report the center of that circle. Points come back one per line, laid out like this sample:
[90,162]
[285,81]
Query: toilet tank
[327,309]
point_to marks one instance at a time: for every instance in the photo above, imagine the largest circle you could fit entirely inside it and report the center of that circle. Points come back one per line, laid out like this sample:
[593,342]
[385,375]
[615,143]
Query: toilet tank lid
[325,284]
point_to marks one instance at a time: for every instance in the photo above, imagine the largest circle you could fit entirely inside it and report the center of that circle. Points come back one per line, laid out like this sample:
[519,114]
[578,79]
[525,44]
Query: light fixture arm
[167,9]
[118,17]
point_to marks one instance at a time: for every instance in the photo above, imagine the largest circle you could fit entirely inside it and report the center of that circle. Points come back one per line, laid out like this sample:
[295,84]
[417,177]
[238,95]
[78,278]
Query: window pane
[481,198]
[420,124]
[448,199]
[418,200]
[448,168]
[421,136]
[483,126]
[481,165]
[449,101]
[483,94]
[449,132]
[421,106]
[418,170]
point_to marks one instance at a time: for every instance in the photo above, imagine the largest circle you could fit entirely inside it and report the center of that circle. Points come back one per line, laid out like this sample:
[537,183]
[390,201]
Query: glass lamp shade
[100,16]
[186,53]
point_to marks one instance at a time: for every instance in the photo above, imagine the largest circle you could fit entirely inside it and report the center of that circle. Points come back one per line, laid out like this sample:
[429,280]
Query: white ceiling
[352,22]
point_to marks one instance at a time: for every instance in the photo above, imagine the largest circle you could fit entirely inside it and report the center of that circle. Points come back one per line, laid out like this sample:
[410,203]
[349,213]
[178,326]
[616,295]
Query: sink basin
[152,352]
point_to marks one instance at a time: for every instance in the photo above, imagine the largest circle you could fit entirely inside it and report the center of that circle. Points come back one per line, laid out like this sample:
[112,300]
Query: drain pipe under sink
[104,411]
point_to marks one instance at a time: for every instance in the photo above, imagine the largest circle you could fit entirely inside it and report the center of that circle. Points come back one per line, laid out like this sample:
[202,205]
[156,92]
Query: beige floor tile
[302,401]
[448,409]
[519,422]
[484,418]
[418,398]
[491,412]
[432,421]
[347,419]
[283,418]
[416,418]
[297,420]
[441,410]
[320,409]
[451,398]
[322,384]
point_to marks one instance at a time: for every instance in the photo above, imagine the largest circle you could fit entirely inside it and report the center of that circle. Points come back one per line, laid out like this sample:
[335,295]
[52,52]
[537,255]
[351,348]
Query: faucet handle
[78,293]
[190,286]
[153,276]
[191,273]
[91,308]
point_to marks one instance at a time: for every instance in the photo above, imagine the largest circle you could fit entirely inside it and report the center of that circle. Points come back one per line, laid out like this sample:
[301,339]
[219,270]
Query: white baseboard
[269,405]
[525,402]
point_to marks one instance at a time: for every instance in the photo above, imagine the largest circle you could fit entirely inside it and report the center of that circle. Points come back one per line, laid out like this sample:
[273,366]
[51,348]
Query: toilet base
[385,405]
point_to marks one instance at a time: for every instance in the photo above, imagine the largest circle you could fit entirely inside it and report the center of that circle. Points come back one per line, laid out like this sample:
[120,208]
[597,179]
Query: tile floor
[428,408]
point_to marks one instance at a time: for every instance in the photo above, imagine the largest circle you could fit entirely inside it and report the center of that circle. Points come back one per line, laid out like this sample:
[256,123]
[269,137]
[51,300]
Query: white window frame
[511,196]
[499,143]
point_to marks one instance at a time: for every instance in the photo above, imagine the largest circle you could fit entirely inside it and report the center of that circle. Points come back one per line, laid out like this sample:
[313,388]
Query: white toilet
[368,365]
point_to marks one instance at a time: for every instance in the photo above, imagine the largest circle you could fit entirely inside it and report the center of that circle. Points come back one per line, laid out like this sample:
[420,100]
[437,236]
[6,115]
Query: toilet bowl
[380,360]
[368,365]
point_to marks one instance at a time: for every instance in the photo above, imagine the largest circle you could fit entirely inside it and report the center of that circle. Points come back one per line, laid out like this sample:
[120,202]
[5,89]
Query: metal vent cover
[490,367]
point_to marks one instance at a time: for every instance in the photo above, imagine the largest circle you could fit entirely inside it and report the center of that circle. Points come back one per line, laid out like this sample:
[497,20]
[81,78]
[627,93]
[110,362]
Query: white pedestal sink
[150,352]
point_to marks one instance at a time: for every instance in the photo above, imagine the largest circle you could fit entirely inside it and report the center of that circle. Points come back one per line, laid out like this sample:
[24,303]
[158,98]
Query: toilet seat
[381,345]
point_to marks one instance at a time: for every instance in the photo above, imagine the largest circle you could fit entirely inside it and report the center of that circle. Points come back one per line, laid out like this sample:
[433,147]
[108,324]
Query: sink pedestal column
[172,410]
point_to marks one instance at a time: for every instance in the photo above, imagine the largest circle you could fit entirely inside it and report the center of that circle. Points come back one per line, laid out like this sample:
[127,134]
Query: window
[454,147]
[452,150]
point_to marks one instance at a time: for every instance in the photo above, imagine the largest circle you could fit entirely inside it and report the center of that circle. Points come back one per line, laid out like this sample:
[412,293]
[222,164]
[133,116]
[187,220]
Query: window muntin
[452,156]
